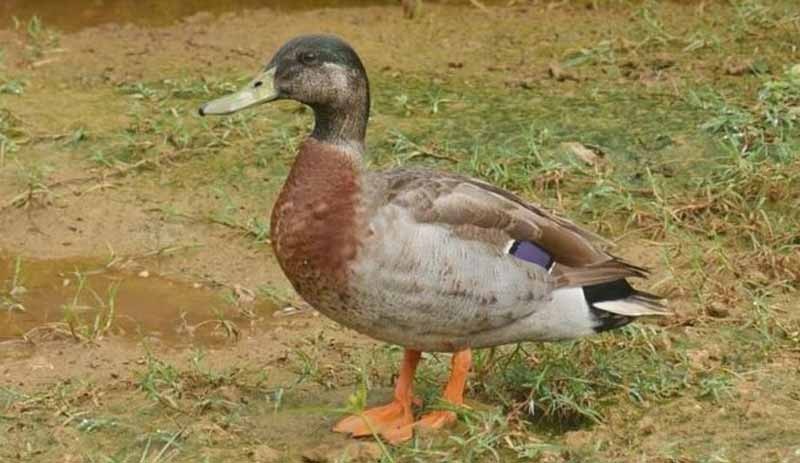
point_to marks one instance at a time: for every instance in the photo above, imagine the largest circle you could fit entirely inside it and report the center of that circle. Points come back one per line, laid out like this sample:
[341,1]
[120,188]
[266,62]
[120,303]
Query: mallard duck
[432,261]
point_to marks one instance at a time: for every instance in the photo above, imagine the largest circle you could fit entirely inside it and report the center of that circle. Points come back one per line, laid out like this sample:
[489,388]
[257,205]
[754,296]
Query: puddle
[78,14]
[74,297]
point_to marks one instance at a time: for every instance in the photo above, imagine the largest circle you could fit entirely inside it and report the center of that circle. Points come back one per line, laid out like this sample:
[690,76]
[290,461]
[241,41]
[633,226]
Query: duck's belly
[407,309]
[421,322]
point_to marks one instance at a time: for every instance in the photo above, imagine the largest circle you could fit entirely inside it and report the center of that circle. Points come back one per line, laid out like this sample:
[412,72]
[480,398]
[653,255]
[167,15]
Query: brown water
[72,15]
[40,299]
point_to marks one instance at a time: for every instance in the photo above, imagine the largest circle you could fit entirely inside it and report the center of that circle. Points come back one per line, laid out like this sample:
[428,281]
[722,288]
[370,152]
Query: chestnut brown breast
[314,223]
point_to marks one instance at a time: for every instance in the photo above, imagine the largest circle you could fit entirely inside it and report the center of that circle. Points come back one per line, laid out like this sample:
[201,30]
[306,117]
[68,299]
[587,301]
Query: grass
[12,86]
[10,136]
[14,289]
[40,39]
[766,128]
[90,323]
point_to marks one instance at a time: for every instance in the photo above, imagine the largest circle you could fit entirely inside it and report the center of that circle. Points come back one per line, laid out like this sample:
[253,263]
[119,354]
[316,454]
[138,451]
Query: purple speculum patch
[531,252]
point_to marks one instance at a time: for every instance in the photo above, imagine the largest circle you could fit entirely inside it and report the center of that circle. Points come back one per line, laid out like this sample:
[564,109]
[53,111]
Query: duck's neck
[345,121]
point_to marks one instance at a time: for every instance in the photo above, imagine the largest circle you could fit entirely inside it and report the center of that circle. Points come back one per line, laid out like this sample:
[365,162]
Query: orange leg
[389,420]
[453,393]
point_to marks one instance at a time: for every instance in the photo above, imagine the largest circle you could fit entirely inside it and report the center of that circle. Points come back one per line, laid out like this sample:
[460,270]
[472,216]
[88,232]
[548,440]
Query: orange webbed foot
[436,420]
[390,421]
[433,420]
[376,420]
[395,421]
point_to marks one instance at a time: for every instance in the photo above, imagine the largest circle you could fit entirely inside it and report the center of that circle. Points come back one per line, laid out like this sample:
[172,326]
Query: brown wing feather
[482,211]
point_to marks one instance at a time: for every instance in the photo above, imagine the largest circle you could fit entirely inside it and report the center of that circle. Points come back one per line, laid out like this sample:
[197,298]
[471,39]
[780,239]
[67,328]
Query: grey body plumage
[433,272]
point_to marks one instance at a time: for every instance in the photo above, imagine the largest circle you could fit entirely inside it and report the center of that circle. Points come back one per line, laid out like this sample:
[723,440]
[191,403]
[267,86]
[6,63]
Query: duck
[432,261]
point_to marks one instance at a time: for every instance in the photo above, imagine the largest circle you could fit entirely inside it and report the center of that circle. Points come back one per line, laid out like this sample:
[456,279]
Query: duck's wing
[477,210]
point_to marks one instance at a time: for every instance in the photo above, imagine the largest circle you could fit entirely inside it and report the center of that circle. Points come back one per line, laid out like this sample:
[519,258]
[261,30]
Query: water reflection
[72,15]
[59,296]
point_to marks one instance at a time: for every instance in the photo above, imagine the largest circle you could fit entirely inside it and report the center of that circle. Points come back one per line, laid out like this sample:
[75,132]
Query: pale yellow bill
[259,90]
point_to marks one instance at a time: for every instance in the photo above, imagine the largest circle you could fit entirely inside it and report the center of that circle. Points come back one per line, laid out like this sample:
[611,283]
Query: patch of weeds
[715,388]
[199,389]
[757,194]
[484,435]
[487,437]
[566,385]
[147,136]
[10,296]
[10,135]
[761,333]
[307,367]
[91,328]
[767,128]
[77,136]
[162,129]
[8,85]
[193,89]
[10,396]
[436,99]
[12,86]
[40,39]
[653,28]
[161,382]
[220,323]
[406,149]
[178,88]
[521,163]
[167,129]
[210,376]
[656,33]
[126,150]
[278,295]
[602,53]
[259,229]
[779,102]
[753,13]
[34,176]
[137,90]
[236,126]
[160,446]
[212,390]
[701,39]
[226,215]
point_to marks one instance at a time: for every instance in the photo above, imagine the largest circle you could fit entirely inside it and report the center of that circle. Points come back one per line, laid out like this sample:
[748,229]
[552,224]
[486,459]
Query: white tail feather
[632,307]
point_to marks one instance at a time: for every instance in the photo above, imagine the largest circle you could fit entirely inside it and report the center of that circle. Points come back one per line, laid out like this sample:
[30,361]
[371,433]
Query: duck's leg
[388,419]
[453,393]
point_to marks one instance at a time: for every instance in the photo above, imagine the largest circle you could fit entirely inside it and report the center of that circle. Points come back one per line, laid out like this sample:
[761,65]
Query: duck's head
[321,71]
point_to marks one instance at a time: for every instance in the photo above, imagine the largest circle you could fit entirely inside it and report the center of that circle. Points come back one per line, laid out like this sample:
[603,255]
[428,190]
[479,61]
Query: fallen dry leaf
[590,155]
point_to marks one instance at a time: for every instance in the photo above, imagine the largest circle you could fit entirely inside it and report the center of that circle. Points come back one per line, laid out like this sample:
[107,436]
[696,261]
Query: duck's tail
[617,303]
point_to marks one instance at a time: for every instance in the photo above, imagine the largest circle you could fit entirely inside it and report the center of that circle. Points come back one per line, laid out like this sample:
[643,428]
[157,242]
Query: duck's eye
[307,57]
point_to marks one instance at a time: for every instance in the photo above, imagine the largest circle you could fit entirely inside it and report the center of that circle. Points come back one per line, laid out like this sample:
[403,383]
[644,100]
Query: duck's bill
[259,90]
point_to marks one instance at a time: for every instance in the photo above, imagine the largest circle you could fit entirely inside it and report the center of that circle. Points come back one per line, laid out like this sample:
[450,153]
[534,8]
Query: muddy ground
[144,317]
